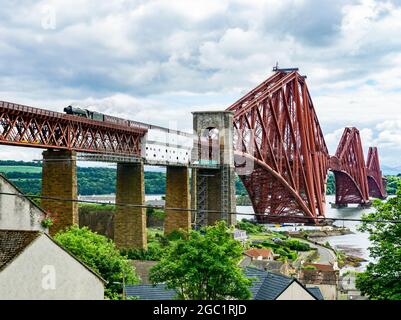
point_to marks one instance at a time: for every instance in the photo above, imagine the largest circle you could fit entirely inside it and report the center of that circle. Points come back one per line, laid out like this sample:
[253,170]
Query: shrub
[250,227]
[309,267]
[297,245]
[46,222]
[153,253]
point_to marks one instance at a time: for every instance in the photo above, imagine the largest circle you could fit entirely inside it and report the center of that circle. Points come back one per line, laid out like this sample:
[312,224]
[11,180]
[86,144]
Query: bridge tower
[213,174]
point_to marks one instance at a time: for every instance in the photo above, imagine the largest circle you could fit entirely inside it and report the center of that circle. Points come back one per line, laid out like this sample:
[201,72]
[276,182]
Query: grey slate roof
[268,285]
[316,292]
[265,286]
[13,242]
[150,292]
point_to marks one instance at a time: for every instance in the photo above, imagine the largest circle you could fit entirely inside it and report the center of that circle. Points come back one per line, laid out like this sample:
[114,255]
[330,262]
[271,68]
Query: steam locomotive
[103,117]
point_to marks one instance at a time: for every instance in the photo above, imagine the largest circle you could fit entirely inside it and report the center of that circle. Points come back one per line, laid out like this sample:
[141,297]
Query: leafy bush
[286,252]
[153,253]
[250,227]
[176,235]
[309,267]
[100,254]
[270,244]
[156,213]
[297,245]
[46,222]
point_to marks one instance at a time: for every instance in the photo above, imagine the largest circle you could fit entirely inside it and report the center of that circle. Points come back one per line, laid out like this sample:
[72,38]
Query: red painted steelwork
[376,182]
[32,127]
[349,170]
[276,125]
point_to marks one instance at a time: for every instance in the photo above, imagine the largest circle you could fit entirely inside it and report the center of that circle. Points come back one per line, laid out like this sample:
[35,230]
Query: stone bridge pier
[59,188]
[130,214]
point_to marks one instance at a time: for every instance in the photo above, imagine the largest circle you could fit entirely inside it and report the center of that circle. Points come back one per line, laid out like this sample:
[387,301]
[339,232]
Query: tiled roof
[316,292]
[150,292]
[320,266]
[13,242]
[318,276]
[142,269]
[265,286]
[255,252]
[268,285]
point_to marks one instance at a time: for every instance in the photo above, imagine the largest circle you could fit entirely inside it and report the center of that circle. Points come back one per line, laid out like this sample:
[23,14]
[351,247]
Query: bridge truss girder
[276,128]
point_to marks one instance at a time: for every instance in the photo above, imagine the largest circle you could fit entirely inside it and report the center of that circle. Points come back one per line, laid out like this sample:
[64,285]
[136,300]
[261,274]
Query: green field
[28,169]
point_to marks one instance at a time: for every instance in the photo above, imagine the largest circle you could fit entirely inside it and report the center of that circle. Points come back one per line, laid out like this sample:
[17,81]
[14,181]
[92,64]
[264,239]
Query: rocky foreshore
[328,233]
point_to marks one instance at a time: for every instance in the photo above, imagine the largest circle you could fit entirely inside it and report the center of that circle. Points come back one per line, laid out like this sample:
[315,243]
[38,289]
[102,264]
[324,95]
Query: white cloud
[157,61]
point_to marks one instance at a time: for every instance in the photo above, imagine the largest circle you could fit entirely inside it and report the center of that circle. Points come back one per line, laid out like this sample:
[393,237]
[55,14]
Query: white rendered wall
[18,213]
[29,276]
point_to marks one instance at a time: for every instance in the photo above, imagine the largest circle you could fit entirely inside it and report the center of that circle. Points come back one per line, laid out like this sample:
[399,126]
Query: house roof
[14,242]
[150,292]
[265,265]
[318,276]
[256,252]
[321,267]
[142,269]
[265,286]
[316,292]
[269,286]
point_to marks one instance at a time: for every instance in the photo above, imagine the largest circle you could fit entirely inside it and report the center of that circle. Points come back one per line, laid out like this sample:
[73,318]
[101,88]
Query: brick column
[177,196]
[130,222]
[59,180]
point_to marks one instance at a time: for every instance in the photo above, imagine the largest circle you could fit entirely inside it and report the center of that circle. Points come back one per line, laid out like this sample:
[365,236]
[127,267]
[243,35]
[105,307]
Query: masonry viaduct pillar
[59,181]
[177,196]
[214,188]
[130,222]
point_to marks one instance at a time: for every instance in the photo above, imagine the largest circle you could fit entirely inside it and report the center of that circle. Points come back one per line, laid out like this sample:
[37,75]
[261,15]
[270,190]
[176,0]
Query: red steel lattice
[376,182]
[32,127]
[276,127]
[349,170]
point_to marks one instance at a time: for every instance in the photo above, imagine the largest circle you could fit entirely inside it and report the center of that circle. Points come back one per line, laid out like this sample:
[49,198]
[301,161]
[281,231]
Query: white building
[34,267]
[16,211]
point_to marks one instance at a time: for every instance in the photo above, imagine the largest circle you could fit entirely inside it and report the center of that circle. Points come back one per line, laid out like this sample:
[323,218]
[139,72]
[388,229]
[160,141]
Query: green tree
[100,254]
[392,184]
[204,266]
[382,278]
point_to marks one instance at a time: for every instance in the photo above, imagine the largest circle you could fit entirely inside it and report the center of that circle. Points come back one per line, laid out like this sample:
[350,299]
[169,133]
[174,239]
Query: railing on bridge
[32,127]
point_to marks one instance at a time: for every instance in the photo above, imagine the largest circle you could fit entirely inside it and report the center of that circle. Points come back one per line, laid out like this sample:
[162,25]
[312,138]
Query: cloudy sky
[156,61]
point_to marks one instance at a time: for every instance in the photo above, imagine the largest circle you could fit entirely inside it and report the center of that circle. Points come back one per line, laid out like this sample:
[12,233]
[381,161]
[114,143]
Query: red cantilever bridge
[275,126]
